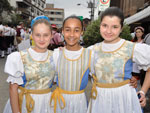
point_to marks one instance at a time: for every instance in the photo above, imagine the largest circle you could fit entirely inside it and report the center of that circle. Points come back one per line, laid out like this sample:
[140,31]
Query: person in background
[139,34]
[139,38]
[2,41]
[56,39]
[20,32]
[31,73]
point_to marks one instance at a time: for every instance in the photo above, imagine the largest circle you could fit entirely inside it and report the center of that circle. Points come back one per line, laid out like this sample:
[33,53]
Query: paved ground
[4,89]
[4,93]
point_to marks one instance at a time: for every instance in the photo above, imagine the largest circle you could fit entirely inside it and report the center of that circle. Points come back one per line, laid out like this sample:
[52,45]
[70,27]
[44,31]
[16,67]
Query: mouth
[71,39]
[41,43]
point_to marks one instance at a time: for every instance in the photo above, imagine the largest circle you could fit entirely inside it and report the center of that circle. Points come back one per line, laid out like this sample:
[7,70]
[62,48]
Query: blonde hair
[40,21]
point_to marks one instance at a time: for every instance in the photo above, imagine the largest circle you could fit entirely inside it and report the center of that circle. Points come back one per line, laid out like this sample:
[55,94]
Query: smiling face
[41,35]
[110,29]
[72,30]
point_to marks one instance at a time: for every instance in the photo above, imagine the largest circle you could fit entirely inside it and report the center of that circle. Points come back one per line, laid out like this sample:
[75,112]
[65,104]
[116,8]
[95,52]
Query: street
[4,89]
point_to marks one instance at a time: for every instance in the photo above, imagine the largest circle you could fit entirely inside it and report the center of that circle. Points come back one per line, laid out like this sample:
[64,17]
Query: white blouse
[14,66]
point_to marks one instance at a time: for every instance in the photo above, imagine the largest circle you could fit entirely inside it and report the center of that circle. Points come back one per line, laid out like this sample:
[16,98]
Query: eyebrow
[70,27]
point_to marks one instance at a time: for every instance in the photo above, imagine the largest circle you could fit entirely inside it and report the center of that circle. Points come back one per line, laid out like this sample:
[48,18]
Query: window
[58,13]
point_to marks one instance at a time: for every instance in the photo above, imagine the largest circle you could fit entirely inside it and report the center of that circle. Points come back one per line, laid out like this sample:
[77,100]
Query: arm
[146,84]
[145,88]
[14,98]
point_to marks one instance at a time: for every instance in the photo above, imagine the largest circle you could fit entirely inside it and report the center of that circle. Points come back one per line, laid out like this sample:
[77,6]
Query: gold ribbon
[105,85]
[29,99]
[94,91]
[57,95]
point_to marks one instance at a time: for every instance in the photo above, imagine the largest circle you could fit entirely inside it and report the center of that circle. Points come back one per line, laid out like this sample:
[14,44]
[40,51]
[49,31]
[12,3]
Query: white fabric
[14,66]
[25,44]
[69,54]
[7,31]
[73,103]
[42,104]
[115,100]
[135,68]
[141,56]
[141,53]
[1,28]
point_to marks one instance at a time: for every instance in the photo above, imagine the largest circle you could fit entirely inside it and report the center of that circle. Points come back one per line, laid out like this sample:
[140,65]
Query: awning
[138,16]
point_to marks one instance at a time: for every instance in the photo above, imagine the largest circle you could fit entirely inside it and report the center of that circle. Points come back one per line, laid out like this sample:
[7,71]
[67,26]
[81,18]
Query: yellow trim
[57,95]
[29,100]
[72,59]
[85,69]
[113,85]
[133,52]
[114,50]
[39,61]
[105,85]
[90,59]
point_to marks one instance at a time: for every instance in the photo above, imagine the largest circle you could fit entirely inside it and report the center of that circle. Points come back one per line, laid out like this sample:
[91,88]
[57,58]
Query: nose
[72,33]
[109,30]
[41,38]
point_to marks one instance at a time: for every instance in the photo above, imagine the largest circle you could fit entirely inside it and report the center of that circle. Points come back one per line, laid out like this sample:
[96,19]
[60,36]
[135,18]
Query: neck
[73,48]
[39,50]
[139,40]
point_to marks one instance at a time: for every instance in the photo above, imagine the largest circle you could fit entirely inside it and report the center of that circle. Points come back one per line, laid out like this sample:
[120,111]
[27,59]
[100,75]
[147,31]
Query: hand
[133,82]
[60,48]
[142,100]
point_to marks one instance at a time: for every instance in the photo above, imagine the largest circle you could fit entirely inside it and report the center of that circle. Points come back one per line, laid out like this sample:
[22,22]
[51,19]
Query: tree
[92,34]
[5,8]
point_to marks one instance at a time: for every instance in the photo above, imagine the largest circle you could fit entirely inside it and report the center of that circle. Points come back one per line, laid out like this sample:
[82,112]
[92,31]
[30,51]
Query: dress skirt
[115,100]
[42,104]
[74,103]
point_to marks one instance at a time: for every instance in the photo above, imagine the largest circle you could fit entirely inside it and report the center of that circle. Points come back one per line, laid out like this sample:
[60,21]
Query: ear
[121,30]
[82,33]
[62,33]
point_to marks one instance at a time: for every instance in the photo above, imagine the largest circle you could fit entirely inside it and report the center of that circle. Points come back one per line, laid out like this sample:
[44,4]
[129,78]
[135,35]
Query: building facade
[131,8]
[56,15]
[28,9]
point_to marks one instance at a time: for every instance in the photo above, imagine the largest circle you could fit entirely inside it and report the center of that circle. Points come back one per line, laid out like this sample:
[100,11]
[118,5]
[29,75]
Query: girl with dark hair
[73,64]
[139,34]
[73,67]
[113,58]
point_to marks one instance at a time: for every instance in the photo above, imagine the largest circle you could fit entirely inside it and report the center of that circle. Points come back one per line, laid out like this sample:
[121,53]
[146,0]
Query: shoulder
[14,55]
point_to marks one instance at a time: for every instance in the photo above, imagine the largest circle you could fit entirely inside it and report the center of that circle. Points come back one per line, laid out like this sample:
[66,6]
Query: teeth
[71,39]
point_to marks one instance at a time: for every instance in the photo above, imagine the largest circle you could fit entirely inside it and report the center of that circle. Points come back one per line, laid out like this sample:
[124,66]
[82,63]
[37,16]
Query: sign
[103,4]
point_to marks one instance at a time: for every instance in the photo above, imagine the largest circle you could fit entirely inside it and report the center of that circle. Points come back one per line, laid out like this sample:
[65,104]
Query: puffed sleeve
[14,68]
[141,56]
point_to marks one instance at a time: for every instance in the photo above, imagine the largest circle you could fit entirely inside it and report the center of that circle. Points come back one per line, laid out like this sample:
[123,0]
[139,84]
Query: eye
[103,25]
[37,35]
[77,30]
[46,35]
[115,26]
[67,30]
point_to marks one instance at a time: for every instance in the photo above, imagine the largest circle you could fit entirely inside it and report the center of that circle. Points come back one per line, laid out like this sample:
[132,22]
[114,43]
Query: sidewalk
[4,88]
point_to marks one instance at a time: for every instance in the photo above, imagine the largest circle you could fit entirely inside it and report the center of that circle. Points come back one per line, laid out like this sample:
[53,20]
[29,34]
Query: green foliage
[125,34]
[5,6]
[92,33]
